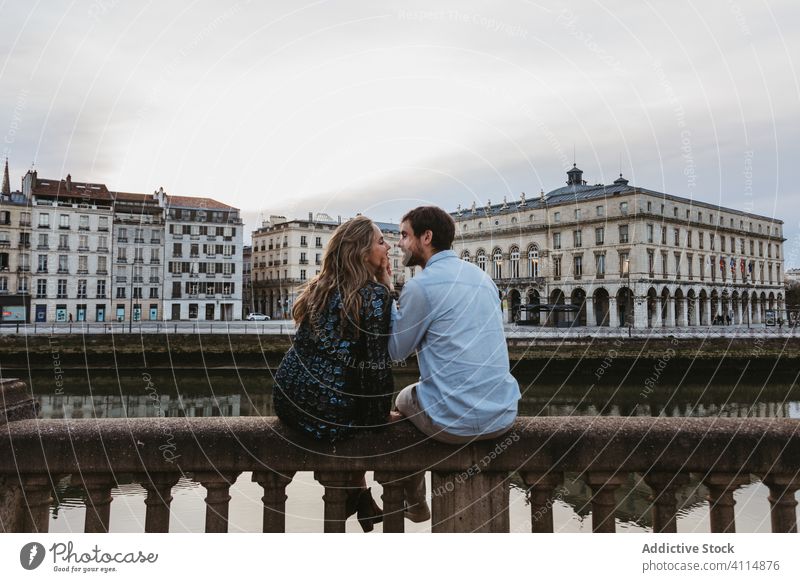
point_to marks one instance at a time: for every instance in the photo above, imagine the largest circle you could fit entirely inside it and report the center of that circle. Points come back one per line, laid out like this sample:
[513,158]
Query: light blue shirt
[450,314]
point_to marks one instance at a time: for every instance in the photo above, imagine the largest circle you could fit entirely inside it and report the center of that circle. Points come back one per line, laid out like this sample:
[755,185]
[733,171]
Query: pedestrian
[70,318]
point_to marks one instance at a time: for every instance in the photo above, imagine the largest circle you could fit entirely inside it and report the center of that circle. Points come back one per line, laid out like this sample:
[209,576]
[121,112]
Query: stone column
[737,312]
[683,318]
[709,315]
[640,313]
[613,316]
[16,403]
[671,312]
[757,311]
[696,311]
[591,319]
[658,321]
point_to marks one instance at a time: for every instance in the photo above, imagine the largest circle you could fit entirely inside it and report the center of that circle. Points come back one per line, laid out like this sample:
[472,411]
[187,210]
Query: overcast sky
[373,107]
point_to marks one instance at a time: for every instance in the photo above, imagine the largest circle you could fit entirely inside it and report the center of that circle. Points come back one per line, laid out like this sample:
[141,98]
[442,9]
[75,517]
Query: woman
[336,379]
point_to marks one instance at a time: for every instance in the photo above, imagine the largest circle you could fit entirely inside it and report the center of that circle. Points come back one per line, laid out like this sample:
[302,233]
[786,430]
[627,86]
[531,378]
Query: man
[450,315]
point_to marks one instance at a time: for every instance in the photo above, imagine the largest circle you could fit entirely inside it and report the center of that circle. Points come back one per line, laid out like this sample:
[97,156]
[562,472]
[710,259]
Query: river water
[106,393]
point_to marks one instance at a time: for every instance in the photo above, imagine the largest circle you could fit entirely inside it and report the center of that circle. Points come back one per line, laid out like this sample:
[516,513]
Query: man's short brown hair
[436,220]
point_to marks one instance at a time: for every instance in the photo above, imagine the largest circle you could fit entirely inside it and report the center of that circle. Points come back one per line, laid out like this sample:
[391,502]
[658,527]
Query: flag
[722,263]
[733,265]
[741,264]
[750,267]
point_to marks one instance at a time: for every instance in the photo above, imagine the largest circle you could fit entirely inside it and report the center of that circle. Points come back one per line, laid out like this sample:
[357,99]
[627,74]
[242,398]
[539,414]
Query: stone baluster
[274,499]
[217,498]
[37,495]
[393,500]
[541,487]
[336,487]
[604,485]
[720,497]
[98,500]
[782,503]
[664,508]
[159,496]
[469,501]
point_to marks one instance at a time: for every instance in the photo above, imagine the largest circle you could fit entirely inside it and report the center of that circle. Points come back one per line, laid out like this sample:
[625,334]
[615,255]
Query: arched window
[465,256]
[533,261]
[513,262]
[497,263]
[481,256]
[513,220]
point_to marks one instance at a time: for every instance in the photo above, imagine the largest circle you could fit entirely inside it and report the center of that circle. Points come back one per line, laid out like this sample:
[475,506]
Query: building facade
[203,281]
[75,252]
[619,255]
[287,253]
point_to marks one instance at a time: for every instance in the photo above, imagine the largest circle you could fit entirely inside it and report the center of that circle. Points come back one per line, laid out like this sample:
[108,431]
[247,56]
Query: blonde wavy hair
[344,269]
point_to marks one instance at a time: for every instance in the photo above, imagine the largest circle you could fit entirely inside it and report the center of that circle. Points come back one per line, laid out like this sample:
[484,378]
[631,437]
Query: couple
[336,380]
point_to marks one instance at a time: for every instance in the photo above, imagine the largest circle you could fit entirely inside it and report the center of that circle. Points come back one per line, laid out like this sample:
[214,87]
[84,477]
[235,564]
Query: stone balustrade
[470,483]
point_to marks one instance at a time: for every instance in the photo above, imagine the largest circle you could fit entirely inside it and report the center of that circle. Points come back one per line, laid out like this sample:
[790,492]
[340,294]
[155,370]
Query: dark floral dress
[329,386]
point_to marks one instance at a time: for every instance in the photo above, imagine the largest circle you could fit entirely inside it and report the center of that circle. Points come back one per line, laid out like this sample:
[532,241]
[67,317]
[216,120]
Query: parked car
[257,317]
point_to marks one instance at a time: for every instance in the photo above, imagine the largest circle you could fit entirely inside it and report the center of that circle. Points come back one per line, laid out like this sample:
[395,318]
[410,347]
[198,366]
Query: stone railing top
[620,444]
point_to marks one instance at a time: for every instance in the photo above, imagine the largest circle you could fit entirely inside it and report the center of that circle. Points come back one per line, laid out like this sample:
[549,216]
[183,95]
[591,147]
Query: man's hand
[384,275]
[395,416]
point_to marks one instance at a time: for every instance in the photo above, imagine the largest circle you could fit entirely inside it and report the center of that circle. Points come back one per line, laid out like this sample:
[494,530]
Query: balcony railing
[470,483]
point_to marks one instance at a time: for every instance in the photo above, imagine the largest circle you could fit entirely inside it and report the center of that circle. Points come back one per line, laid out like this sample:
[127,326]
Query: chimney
[69,183]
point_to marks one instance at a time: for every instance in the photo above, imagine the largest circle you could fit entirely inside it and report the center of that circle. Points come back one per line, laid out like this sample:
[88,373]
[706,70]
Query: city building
[70,252]
[204,250]
[15,242]
[620,255]
[247,287]
[287,253]
[138,250]
[76,251]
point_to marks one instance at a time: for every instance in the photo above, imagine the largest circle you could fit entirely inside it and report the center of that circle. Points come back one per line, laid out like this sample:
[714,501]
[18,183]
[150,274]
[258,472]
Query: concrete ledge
[580,444]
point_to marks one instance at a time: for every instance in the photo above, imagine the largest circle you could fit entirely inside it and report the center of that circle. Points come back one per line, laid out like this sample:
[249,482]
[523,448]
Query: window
[63,221]
[677,233]
[649,206]
[514,263]
[318,242]
[675,212]
[700,239]
[600,265]
[651,263]
[623,233]
[83,222]
[303,259]
[688,239]
[557,268]
[83,264]
[101,289]
[81,288]
[556,217]
[577,214]
[44,221]
[153,292]
[497,261]
[600,210]
[102,265]
[722,243]
[42,264]
[102,243]
[63,266]
[624,265]
[63,242]
[650,233]
[689,265]
[303,242]
[711,241]
[577,238]
[83,242]
[481,259]
[120,292]
[599,235]
[533,261]
[700,267]
[663,235]
[177,249]
[577,266]
[556,240]
[41,288]
[102,223]
[623,207]
[664,265]
[62,289]
[302,274]
[43,242]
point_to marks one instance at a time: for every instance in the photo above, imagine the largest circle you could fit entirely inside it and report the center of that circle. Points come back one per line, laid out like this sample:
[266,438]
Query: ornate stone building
[287,253]
[618,255]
